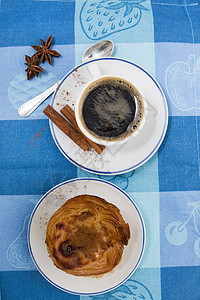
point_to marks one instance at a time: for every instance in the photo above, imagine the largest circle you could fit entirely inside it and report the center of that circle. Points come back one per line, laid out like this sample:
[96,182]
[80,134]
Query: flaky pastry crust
[86,236]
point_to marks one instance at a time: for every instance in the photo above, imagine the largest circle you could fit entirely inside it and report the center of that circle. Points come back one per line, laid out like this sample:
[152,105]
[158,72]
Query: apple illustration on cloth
[102,18]
[182,80]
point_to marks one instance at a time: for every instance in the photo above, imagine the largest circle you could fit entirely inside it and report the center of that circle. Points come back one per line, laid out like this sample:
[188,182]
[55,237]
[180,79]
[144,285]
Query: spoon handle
[94,70]
[28,107]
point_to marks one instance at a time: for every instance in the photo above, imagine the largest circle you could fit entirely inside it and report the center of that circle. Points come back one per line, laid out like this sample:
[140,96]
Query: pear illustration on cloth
[131,289]
[17,253]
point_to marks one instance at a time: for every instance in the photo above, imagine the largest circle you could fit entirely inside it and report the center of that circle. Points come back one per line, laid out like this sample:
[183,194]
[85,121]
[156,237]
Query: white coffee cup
[135,125]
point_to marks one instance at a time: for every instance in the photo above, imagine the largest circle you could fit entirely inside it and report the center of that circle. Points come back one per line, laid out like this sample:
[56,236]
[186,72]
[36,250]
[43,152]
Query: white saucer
[57,196]
[116,159]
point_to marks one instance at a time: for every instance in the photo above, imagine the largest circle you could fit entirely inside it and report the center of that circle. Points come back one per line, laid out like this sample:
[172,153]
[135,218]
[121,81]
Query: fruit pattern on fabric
[162,36]
[100,19]
[121,20]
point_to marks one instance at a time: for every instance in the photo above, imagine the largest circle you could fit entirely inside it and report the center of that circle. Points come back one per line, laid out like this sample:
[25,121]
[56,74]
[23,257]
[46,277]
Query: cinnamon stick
[68,112]
[66,127]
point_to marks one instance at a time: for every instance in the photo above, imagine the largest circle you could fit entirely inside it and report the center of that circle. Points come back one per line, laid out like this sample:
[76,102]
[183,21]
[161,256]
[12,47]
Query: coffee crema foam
[111,109]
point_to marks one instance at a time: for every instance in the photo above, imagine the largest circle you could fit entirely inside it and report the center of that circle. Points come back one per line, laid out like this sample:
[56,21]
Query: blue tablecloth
[163,36]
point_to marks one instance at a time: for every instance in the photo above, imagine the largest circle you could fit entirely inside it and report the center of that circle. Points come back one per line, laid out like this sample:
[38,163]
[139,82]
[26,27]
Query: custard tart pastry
[86,236]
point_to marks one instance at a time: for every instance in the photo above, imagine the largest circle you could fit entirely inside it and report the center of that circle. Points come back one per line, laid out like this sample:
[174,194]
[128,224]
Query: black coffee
[109,107]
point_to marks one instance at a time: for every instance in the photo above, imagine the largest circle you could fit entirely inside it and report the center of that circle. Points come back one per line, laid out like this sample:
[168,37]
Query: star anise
[45,51]
[33,66]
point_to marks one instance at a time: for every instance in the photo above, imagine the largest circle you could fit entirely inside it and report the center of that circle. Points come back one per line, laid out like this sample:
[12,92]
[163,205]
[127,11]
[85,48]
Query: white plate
[51,201]
[116,159]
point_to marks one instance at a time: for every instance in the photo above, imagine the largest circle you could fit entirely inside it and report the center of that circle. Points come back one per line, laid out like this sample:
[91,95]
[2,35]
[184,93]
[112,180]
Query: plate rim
[143,237]
[161,138]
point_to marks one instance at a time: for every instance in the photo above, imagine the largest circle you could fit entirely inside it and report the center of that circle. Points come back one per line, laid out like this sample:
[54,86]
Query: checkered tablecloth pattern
[163,36]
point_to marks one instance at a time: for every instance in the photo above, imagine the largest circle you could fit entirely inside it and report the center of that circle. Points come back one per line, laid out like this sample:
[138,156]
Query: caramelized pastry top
[86,236]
